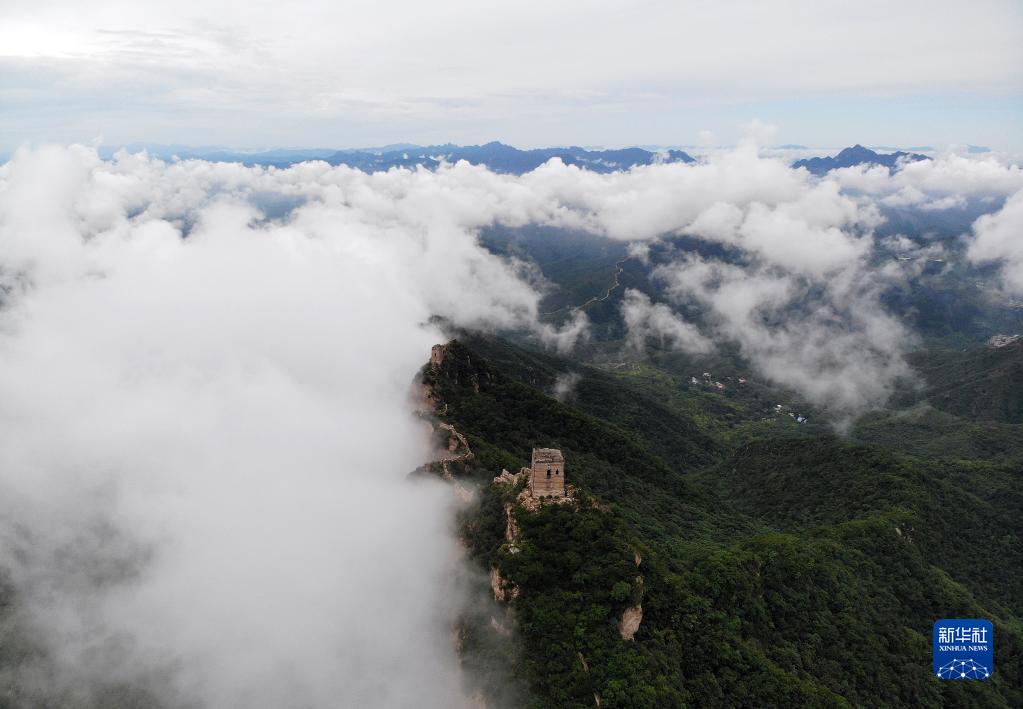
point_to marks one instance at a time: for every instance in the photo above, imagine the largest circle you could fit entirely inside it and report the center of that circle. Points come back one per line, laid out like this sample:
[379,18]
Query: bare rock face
[631,618]
[511,527]
[496,583]
[997,341]
[504,590]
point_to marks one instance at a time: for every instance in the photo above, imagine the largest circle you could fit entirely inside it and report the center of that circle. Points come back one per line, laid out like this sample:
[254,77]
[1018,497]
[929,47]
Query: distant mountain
[856,155]
[164,151]
[504,158]
[496,156]
[389,148]
[279,157]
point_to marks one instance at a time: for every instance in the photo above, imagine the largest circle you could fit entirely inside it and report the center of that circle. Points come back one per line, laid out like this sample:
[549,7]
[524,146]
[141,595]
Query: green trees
[783,571]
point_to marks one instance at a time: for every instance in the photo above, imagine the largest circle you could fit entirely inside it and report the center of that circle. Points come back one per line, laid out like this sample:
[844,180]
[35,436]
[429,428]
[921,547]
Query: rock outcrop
[504,590]
[631,618]
[511,527]
[997,341]
[455,364]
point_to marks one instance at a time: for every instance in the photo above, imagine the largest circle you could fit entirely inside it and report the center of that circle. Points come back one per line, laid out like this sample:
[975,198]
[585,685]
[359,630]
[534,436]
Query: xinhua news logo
[964,648]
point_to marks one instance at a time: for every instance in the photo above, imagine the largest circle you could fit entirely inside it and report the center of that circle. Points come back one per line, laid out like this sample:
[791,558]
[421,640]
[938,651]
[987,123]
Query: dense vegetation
[788,569]
[984,384]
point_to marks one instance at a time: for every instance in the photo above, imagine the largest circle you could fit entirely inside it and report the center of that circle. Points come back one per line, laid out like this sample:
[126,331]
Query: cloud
[564,385]
[645,320]
[948,174]
[207,431]
[798,287]
[830,341]
[648,202]
[999,237]
[797,290]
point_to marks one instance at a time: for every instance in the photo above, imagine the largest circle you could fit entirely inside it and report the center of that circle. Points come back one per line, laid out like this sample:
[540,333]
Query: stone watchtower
[547,473]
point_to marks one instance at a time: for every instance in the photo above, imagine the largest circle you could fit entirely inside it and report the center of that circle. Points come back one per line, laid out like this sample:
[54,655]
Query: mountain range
[761,564]
[857,155]
[496,156]
[505,158]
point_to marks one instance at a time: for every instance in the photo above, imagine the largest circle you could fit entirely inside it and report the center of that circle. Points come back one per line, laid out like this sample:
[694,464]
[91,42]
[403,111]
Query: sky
[318,73]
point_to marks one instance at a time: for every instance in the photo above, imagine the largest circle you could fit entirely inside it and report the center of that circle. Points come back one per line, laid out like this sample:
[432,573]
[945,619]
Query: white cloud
[953,174]
[648,202]
[206,439]
[828,339]
[948,174]
[802,297]
[645,320]
[952,201]
[999,237]
[565,384]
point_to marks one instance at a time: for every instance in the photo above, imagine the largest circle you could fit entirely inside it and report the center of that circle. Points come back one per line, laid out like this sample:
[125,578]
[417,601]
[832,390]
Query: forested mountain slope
[797,570]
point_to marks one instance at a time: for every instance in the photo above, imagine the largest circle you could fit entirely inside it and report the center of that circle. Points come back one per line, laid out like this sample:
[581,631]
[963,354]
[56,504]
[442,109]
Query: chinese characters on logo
[962,634]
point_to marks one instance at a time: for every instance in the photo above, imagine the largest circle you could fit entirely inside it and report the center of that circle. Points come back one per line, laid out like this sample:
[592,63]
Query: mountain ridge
[497,156]
[856,155]
[781,574]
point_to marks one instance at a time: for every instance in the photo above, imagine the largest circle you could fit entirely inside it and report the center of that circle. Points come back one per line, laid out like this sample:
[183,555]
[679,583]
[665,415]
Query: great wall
[543,482]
